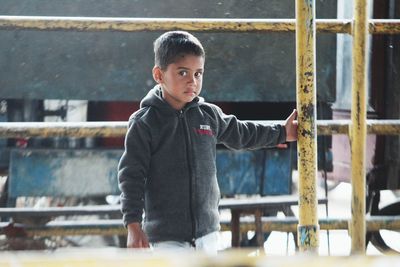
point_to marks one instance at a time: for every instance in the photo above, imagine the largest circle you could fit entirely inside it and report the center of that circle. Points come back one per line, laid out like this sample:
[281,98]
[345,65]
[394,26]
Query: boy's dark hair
[174,44]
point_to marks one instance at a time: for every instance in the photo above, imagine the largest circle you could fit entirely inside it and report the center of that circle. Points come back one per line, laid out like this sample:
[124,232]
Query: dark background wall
[117,66]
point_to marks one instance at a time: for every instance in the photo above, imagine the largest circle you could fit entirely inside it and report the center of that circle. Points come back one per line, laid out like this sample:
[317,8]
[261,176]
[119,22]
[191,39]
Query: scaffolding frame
[305,25]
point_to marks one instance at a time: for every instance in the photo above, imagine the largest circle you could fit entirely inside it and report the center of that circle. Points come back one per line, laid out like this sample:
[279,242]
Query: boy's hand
[136,237]
[291,127]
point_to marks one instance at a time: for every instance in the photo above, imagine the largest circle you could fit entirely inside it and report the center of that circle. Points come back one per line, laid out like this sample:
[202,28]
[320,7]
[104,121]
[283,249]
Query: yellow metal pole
[308,228]
[115,226]
[152,24]
[63,129]
[358,129]
[44,23]
[384,26]
[118,128]
[289,224]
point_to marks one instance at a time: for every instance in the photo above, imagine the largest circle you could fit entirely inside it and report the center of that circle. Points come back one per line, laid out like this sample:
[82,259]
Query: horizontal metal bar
[115,227]
[62,129]
[65,228]
[61,211]
[378,127]
[189,24]
[158,24]
[383,127]
[246,204]
[118,128]
[289,224]
[225,203]
[384,26]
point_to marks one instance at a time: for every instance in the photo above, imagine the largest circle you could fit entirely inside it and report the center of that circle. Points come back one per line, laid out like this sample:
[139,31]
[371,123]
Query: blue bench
[93,172]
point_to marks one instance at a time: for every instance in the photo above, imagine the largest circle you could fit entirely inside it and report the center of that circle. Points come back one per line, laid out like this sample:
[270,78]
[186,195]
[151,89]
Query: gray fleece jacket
[168,168]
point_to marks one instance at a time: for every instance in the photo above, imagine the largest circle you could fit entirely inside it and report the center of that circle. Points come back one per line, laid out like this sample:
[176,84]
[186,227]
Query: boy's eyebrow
[184,68]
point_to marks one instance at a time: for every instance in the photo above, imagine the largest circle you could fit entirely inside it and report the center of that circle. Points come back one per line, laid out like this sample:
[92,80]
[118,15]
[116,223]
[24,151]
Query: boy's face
[181,82]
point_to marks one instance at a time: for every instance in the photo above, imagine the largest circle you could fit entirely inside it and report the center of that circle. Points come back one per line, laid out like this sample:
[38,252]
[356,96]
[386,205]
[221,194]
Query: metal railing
[305,25]
[119,128]
[44,23]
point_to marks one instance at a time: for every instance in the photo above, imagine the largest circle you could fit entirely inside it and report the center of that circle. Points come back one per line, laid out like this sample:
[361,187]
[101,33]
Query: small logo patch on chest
[204,130]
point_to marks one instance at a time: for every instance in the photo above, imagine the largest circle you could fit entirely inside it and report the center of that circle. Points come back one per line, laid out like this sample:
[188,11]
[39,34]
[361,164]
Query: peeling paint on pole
[47,23]
[118,129]
[307,144]
[308,236]
[358,129]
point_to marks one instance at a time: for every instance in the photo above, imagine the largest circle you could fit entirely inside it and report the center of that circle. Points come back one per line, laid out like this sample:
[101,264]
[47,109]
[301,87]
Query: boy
[168,167]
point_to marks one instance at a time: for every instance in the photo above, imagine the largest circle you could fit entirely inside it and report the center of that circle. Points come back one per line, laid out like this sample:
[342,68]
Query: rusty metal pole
[118,128]
[308,228]
[358,129]
[50,23]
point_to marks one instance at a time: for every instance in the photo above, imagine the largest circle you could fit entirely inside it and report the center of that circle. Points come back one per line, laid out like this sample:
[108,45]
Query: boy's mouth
[191,92]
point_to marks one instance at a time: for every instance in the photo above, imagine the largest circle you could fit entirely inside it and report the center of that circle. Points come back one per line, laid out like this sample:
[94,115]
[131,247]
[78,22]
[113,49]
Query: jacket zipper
[191,178]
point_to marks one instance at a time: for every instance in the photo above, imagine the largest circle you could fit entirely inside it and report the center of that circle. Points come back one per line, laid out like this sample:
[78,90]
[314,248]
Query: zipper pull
[181,113]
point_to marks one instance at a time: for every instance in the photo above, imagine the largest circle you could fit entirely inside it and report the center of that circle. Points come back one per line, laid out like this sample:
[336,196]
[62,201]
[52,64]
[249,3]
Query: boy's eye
[198,74]
[183,73]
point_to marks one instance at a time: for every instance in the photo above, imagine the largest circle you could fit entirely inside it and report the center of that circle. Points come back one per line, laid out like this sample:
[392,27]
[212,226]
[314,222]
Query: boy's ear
[157,74]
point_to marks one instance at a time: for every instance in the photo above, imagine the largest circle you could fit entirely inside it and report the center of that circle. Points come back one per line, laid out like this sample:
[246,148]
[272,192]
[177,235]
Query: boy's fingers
[282,145]
[294,113]
[293,116]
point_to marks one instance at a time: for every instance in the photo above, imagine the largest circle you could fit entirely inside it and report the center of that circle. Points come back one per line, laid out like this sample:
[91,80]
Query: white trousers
[208,244]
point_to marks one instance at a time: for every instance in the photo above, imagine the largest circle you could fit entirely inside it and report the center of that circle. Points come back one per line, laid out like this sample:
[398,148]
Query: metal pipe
[115,227]
[308,229]
[145,24]
[289,224]
[384,26]
[190,24]
[358,130]
[29,212]
[378,127]
[62,129]
[118,128]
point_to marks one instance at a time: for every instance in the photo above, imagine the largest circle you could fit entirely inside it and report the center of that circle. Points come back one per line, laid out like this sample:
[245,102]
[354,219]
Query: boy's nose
[192,79]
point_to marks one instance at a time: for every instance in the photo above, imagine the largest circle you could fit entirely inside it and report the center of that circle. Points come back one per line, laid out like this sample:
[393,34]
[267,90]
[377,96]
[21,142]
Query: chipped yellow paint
[118,129]
[384,26]
[289,224]
[189,24]
[71,231]
[145,24]
[358,130]
[307,137]
[305,46]
[269,224]
[62,129]
[378,127]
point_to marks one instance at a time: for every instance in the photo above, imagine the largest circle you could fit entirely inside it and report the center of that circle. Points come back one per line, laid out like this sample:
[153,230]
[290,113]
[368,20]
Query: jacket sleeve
[132,171]
[237,134]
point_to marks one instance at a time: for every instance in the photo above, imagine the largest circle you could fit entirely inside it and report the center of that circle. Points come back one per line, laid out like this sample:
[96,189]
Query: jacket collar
[154,98]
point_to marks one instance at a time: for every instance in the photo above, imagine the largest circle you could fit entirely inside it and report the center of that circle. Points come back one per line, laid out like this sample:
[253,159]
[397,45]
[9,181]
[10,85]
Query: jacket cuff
[282,135]
[130,219]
